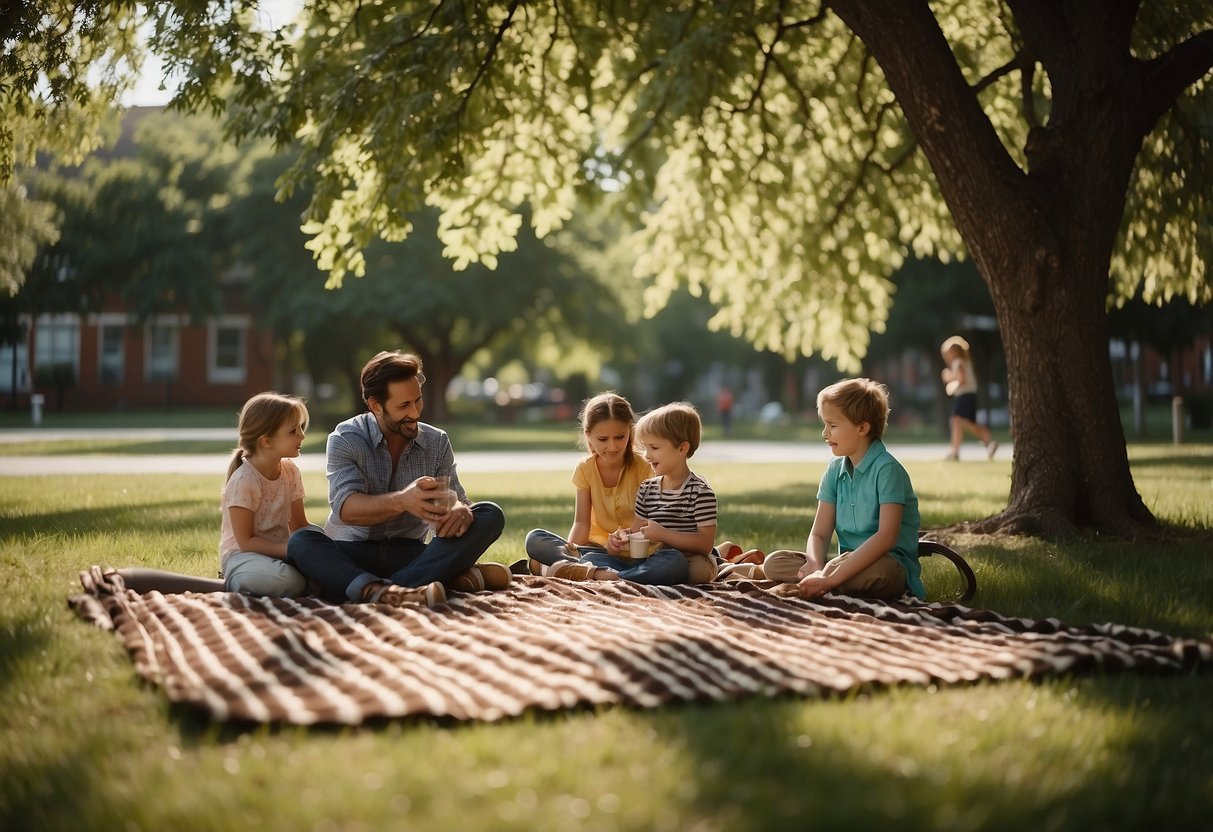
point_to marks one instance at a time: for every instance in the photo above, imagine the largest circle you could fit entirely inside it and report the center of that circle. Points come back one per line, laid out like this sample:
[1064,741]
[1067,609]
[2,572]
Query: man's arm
[350,487]
[361,509]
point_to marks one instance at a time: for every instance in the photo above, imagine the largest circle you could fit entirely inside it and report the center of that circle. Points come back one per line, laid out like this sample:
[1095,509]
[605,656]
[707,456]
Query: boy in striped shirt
[675,510]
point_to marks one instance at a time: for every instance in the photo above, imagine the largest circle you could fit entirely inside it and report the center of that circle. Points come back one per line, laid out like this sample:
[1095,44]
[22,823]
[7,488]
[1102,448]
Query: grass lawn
[85,745]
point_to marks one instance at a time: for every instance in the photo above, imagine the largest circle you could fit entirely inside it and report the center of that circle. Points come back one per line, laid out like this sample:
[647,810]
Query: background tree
[411,290]
[148,229]
[30,224]
[62,68]
[409,296]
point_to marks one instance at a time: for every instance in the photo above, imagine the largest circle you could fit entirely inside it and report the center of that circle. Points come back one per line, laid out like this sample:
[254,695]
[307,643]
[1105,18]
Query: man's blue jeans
[342,568]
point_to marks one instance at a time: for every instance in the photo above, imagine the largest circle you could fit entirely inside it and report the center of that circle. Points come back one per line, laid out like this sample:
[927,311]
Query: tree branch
[466,93]
[1168,75]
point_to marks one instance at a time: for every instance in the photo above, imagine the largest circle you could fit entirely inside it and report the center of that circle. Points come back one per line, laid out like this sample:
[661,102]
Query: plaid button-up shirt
[358,462]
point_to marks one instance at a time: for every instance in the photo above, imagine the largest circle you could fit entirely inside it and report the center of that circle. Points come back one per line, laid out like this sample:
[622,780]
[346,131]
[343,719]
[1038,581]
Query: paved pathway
[469,461]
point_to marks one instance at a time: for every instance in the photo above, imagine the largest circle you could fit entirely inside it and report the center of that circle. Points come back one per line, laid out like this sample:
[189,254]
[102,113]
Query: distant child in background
[606,483]
[865,497]
[261,503]
[675,510]
[724,403]
[960,382]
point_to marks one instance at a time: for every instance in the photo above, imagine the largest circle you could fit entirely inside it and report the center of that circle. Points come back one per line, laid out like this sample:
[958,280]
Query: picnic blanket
[548,644]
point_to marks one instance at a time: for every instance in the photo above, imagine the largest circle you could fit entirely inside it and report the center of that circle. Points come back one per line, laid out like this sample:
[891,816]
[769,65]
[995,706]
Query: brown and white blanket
[548,644]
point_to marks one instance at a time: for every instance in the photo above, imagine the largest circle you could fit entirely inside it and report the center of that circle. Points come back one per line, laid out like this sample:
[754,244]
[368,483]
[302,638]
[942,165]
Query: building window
[163,346]
[57,346]
[227,351]
[111,353]
[14,368]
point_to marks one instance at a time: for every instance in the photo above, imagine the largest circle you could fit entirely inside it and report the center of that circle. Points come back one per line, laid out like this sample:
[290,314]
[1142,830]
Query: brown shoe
[571,571]
[394,595]
[483,576]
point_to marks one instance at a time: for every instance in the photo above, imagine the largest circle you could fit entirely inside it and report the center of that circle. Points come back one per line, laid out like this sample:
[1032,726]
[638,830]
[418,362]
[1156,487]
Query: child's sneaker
[483,576]
[571,571]
[991,449]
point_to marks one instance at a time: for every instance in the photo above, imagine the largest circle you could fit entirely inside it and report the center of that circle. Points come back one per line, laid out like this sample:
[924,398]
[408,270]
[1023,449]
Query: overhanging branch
[1171,73]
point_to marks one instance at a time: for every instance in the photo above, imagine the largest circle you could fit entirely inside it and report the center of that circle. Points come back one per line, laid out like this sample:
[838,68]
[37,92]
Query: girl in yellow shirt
[606,483]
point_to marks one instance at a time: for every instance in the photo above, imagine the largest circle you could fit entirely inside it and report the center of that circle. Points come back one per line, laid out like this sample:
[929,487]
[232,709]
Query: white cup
[638,545]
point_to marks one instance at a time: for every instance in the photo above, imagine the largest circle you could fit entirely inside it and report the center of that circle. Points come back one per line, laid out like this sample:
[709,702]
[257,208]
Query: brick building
[108,361]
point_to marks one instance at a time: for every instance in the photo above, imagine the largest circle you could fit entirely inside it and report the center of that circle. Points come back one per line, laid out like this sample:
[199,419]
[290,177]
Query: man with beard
[385,500]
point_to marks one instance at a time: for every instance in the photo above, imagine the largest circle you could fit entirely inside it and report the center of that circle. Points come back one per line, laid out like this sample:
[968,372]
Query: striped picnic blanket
[548,644]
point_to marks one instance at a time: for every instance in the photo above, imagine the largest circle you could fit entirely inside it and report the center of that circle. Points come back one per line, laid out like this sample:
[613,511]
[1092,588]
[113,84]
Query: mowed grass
[84,744]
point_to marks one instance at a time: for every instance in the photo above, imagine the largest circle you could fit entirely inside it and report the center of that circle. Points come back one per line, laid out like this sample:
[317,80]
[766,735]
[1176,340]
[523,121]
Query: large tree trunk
[1070,467]
[1041,238]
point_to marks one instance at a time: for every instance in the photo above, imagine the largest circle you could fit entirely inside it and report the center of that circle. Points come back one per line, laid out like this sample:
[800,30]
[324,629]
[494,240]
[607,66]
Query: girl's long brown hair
[261,415]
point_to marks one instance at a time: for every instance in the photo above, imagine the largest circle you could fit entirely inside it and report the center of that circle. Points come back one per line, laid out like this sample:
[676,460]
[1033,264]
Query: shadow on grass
[1189,460]
[1166,587]
[120,447]
[176,515]
[763,767]
[20,640]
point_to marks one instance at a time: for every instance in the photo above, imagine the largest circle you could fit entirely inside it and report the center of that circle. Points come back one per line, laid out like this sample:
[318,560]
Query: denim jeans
[662,568]
[342,568]
[548,548]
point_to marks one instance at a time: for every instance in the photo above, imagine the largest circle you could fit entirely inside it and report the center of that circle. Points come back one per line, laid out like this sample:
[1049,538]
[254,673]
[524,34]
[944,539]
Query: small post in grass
[1177,419]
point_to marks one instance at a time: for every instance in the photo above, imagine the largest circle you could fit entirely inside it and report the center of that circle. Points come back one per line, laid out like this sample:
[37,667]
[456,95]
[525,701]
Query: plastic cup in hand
[638,545]
[441,496]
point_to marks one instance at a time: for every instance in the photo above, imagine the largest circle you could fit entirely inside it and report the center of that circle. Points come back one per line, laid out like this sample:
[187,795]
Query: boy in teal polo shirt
[866,497]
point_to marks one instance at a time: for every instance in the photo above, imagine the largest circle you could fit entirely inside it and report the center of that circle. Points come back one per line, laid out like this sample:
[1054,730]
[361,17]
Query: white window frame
[51,326]
[110,321]
[172,324]
[216,374]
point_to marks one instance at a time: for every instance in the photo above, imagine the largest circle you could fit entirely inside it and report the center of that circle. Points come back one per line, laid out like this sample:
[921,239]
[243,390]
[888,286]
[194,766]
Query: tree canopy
[761,147]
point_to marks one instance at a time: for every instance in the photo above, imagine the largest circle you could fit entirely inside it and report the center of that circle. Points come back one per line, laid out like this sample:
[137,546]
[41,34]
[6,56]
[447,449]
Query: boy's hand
[814,585]
[811,565]
[653,531]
